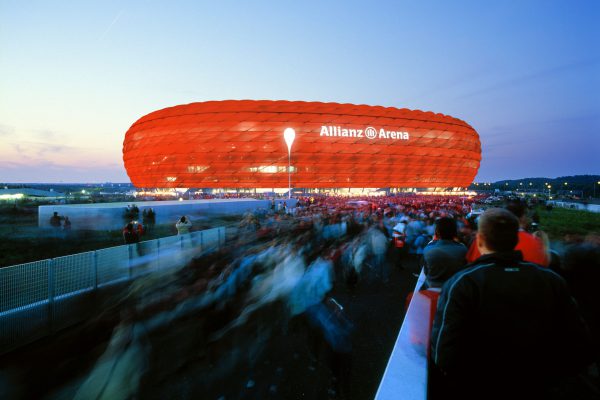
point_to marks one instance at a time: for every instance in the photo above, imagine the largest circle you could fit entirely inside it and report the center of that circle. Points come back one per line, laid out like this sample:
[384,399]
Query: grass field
[561,221]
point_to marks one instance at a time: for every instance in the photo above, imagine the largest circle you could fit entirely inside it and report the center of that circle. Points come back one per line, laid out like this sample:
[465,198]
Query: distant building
[30,194]
[570,193]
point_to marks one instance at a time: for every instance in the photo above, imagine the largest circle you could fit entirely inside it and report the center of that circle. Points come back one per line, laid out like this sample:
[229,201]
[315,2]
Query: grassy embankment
[22,241]
[561,221]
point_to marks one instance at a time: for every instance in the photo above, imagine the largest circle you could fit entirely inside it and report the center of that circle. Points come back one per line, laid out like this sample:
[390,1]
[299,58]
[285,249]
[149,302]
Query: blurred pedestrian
[55,220]
[139,228]
[183,225]
[130,235]
[379,245]
[444,256]
[67,224]
[149,218]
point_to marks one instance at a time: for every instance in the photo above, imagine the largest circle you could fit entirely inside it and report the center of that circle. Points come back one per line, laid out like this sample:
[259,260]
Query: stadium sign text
[369,132]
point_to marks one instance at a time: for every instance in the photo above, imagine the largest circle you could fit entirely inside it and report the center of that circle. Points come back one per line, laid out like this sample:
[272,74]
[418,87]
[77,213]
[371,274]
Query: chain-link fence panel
[24,305]
[112,265]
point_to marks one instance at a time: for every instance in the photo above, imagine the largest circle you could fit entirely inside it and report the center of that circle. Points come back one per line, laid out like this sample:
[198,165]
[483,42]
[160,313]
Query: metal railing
[42,297]
[405,376]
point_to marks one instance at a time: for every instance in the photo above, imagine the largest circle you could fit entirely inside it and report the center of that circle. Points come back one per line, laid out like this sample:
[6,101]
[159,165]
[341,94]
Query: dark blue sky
[74,77]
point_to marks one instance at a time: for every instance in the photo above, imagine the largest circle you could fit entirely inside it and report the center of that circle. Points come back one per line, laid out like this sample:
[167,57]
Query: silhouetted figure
[139,228]
[130,234]
[149,218]
[67,225]
[131,212]
[55,220]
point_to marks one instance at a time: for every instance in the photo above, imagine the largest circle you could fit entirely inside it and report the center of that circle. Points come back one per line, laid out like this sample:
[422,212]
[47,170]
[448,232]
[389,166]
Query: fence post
[95,257]
[130,250]
[50,294]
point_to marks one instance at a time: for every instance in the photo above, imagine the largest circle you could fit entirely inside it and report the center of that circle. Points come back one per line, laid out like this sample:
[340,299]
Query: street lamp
[549,187]
[289,134]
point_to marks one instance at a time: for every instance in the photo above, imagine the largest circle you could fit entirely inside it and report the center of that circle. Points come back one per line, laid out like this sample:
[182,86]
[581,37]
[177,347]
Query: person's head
[445,228]
[498,231]
[517,206]
[182,219]
[55,213]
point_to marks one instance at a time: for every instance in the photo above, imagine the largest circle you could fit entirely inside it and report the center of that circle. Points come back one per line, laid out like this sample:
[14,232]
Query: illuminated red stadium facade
[240,144]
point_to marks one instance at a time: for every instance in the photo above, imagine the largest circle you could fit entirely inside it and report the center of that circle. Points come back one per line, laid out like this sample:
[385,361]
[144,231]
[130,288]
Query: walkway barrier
[405,375]
[42,297]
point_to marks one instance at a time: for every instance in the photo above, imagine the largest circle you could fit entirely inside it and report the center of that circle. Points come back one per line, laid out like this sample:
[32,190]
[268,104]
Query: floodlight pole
[289,134]
[289,174]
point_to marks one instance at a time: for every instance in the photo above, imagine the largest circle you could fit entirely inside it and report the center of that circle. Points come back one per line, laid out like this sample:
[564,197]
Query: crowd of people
[543,294]
[506,321]
[279,274]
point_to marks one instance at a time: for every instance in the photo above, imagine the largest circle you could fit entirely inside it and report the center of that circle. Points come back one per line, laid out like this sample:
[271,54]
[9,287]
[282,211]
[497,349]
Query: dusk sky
[74,76]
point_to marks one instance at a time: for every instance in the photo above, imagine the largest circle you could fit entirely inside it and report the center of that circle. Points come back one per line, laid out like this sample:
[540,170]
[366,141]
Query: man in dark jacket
[505,327]
[443,256]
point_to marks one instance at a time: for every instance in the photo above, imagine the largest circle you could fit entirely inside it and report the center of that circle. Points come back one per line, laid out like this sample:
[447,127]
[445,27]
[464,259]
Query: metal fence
[42,297]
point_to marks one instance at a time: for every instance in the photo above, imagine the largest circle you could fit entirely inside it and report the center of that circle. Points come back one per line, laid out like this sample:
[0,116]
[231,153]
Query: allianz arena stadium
[240,144]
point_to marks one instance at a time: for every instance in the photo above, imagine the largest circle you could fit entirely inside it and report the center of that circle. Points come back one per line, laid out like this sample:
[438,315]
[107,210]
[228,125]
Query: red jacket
[531,247]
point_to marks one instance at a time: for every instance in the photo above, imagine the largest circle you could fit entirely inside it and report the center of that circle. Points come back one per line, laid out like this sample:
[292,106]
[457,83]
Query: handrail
[405,375]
